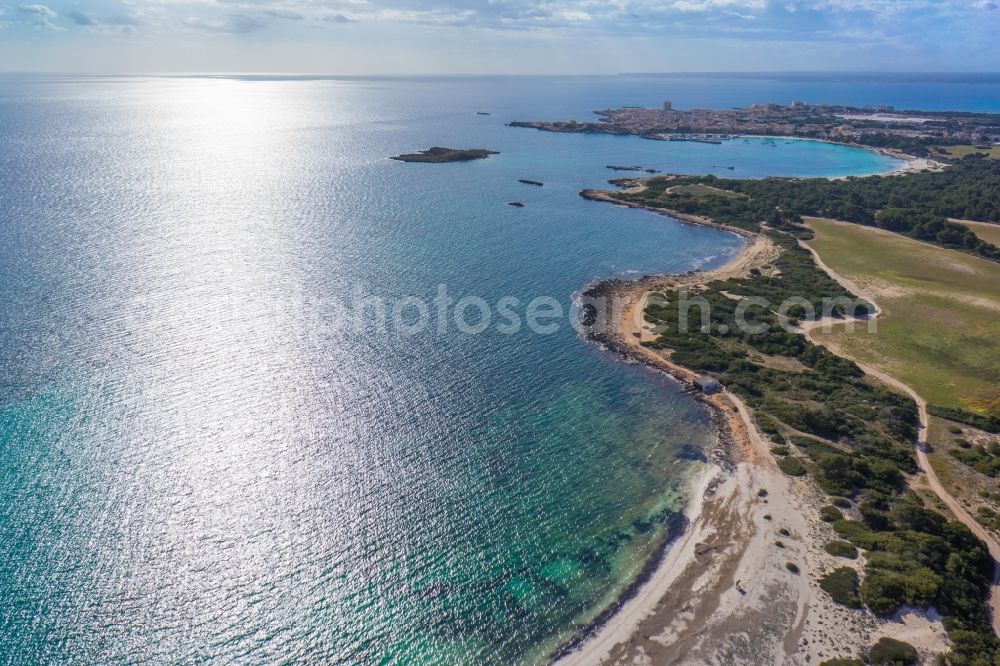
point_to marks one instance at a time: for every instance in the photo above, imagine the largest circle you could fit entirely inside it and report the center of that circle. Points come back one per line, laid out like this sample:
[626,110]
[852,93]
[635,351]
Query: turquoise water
[202,462]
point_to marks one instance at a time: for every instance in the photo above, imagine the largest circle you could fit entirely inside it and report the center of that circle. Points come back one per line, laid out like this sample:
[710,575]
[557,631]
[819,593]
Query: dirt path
[850,285]
[933,482]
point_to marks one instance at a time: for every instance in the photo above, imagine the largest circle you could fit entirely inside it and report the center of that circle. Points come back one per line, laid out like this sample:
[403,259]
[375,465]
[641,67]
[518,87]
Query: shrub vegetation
[842,549]
[983,459]
[830,514]
[842,586]
[855,435]
[791,466]
[890,652]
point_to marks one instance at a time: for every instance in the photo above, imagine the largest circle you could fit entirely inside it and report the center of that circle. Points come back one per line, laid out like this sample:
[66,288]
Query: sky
[498,36]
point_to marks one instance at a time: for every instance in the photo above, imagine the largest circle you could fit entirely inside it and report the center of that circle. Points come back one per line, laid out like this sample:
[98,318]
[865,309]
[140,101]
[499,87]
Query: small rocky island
[438,154]
[616,167]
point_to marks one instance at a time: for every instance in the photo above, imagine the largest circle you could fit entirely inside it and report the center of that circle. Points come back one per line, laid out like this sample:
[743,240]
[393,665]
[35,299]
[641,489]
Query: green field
[940,328]
[985,230]
[962,151]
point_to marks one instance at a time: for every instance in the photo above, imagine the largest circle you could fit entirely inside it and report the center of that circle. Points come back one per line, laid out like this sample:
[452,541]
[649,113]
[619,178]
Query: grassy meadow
[987,231]
[940,328]
[962,151]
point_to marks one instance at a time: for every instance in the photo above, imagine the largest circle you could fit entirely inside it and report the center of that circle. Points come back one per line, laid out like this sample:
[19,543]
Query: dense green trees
[909,145]
[914,204]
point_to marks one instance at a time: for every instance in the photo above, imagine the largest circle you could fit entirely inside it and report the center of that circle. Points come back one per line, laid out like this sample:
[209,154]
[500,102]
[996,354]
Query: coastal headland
[920,134]
[723,586]
[776,526]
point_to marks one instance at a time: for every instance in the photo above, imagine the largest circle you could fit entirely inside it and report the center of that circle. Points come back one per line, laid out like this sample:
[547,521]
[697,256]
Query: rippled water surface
[202,462]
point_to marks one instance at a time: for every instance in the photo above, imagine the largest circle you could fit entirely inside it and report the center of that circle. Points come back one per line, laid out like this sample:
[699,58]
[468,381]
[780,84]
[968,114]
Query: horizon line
[760,72]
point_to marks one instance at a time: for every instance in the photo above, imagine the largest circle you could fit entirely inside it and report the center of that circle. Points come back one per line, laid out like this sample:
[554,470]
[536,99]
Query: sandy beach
[910,162]
[723,592]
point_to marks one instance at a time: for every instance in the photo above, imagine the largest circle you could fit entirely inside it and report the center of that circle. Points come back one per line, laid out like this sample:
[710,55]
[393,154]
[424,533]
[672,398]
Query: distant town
[882,125]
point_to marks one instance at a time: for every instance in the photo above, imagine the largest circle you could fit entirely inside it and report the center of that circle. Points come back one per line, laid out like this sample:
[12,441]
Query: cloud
[660,15]
[122,19]
[38,10]
[338,18]
[847,21]
[235,24]
[41,15]
[82,18]
[284,14]
[116,23]
[712,5]
[45,24]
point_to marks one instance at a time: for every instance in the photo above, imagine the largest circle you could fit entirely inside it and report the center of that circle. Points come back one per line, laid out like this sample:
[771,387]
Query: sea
[268,396]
